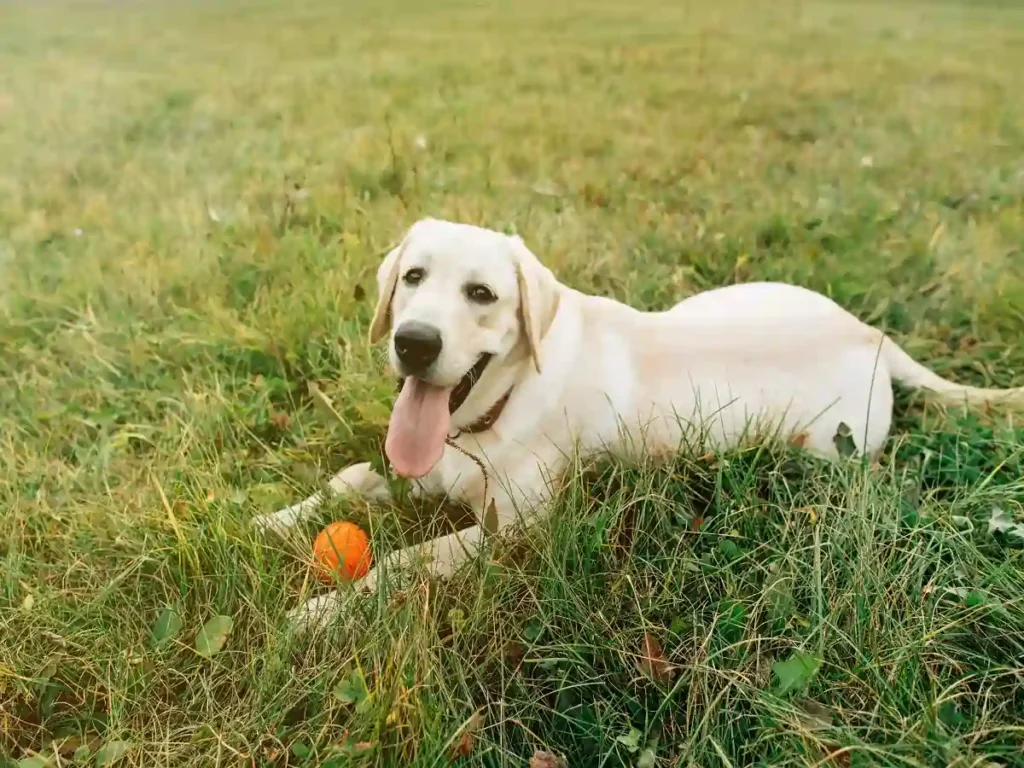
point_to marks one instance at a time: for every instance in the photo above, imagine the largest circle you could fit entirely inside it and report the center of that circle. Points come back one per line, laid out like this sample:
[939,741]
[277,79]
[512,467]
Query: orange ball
[342,549]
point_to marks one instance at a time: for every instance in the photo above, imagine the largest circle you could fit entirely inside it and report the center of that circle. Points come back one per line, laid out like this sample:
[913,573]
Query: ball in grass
[342,549]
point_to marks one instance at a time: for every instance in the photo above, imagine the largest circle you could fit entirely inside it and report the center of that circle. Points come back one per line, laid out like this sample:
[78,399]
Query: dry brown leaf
[514,652]
[542,759]
[653,662]
[464,745]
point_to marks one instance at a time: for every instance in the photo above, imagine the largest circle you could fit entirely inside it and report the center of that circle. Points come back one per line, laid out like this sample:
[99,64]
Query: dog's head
[454,299]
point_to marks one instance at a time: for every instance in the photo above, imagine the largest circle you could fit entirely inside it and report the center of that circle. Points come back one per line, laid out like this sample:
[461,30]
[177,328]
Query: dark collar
[488,420]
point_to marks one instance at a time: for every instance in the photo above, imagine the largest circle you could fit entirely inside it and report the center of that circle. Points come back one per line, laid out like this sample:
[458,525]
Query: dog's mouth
[461,391]
[421,418]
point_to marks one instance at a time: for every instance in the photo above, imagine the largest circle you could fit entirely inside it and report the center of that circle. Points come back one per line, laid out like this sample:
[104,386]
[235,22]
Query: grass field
[193,201]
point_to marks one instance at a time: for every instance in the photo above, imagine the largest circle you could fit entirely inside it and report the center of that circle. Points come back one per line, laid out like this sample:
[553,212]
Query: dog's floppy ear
[387,281]
[538,297]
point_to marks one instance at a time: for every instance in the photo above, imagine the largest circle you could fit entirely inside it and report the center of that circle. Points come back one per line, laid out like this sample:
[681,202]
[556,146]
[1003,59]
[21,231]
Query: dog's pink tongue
[419,424]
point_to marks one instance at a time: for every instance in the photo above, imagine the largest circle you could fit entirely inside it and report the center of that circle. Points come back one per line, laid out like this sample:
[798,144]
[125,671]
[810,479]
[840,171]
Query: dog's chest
[460,474]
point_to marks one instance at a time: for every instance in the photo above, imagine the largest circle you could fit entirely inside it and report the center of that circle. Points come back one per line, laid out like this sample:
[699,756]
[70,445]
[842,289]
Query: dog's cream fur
[588,375]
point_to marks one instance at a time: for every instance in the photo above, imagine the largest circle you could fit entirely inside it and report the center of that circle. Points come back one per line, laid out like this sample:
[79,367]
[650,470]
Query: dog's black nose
[417,345]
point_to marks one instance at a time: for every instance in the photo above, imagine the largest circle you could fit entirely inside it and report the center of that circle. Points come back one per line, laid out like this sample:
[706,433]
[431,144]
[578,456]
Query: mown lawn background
[193,201]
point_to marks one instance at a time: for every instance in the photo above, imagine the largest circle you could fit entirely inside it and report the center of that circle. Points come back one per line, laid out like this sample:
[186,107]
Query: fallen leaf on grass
[81,754]
[353,690]
[542,759]
[729,548]
[111,752]
[533,630]
[213,635]
[653,662]
[815,716]
[464,745]
[631,740]
[168,625]
[1000,522]
[795,672]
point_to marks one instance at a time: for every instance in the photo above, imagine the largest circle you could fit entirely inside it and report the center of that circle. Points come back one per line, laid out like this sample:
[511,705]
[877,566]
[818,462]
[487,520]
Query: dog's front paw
[279,522]
[318,612]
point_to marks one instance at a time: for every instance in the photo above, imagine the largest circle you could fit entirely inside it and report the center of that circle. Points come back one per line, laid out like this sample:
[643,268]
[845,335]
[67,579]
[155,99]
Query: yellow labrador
[503,363]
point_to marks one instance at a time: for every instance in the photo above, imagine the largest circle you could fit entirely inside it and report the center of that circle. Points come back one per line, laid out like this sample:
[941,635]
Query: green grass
[193,201]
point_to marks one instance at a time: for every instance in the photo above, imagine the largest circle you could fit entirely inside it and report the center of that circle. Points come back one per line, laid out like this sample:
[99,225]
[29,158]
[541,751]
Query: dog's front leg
[358,479]
[440,557]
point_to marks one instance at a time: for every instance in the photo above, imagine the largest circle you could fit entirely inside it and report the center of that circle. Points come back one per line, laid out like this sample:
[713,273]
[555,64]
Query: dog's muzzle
[417,345]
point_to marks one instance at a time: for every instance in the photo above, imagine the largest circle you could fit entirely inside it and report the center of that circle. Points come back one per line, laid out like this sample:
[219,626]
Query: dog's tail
[908,371]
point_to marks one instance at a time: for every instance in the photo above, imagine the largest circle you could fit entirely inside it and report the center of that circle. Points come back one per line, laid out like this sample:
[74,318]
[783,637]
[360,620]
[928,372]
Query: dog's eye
[414,276]
[480,294]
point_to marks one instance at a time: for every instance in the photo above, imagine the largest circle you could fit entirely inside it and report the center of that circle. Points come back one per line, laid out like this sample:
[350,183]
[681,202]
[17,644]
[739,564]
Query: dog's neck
[487,400]
[486,421]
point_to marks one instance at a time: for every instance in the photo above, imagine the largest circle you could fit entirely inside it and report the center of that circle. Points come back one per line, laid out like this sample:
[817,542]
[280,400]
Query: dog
[507,375]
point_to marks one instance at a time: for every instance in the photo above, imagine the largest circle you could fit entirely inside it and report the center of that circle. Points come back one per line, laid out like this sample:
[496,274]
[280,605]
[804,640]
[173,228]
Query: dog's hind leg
[358,479]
